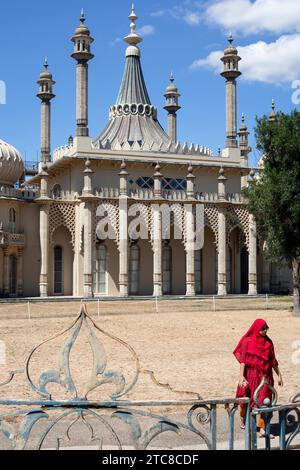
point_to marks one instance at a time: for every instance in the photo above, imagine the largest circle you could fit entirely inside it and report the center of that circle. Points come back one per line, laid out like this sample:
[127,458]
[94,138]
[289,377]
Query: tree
[274,195]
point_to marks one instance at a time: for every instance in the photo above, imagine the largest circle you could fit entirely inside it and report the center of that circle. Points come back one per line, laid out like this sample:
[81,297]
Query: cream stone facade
[122,182]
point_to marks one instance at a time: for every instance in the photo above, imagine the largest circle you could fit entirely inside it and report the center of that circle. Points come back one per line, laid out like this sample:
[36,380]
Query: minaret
[172,106]
[272,116]
[244,147]
[82,53]
[231,72]
[46,95]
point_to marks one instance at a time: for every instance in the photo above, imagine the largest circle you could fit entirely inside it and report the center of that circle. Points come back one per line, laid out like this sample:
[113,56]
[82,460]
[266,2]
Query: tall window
[12,275]
[134,269]
[167,269]
[56,191]
[100,270]
[12,220]
[58,270]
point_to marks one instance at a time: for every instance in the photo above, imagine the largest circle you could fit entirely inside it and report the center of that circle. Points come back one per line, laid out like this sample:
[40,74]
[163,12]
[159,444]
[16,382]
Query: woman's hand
[242,381]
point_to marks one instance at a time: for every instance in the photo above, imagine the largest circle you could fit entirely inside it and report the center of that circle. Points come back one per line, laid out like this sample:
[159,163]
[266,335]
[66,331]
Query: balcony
[11,239]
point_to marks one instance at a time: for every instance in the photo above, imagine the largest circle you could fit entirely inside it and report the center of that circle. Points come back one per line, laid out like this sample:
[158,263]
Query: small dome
[11,164]
[171,88]
[46,75]
[230,50]
[82,30]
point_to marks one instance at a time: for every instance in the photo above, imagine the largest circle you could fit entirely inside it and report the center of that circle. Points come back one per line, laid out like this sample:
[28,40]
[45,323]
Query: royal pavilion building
[138,185]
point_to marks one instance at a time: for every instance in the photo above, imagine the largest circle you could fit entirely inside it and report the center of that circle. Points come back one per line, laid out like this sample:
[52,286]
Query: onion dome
[172,97]
[230,60]
[11,164]
[82,29]
[172,88]
[230,48]
[82,40]
[46,83]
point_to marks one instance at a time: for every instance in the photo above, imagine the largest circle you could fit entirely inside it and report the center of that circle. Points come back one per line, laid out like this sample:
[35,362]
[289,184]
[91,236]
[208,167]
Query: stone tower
[231,73]
[172,106]
[46,95]
[82,54]
[244,147]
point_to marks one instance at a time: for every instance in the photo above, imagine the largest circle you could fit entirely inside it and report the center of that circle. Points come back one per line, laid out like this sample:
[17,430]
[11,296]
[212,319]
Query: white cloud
[243,16]
[190,11]
[192,19]
[275,63]
[258,16]
[146,30]
[158,13]
[115,41]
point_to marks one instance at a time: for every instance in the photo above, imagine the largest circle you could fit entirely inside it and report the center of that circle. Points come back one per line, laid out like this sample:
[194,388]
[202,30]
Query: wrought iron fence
[287,426]
[100,413]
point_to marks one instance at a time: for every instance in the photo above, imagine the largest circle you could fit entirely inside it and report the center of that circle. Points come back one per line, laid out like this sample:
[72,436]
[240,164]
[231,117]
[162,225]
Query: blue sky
[185,37]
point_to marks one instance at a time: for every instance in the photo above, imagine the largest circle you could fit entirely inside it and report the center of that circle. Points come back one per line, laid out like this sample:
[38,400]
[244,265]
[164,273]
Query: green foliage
[274,196]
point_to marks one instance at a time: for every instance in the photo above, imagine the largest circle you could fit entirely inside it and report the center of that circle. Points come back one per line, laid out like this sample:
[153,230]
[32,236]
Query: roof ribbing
[133,120]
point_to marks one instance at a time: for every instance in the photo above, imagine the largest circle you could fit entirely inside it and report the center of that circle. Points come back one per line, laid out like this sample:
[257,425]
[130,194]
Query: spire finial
[133,38]
[230,38]
[82,17]
[46,65]
[243,118]
[273,104]
[172,77]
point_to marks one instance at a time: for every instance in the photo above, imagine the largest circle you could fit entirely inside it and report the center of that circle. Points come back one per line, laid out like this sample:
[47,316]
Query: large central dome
[11,164]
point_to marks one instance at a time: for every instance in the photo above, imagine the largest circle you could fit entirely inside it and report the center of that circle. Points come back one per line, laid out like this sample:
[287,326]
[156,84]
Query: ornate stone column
[5,271]
[190,235]
[123,227]
[222,278]
[87,198]
[252,256]
[222,267]
[44,241]
[157,234]
[44,202]
[157,251]
[20,272]
[88,251]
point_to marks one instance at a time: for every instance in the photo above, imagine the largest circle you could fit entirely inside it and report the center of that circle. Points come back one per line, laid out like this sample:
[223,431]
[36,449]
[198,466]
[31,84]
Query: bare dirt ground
[186,344]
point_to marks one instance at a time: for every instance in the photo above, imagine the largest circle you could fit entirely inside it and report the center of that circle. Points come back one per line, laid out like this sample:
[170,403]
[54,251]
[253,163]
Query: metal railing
[112,420]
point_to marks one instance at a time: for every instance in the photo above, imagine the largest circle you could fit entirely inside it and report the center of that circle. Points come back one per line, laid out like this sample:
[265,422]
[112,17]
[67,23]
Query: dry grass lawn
[186,344]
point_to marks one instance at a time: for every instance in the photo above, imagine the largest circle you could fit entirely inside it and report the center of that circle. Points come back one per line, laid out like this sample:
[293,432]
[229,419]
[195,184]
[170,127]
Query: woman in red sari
[256,355]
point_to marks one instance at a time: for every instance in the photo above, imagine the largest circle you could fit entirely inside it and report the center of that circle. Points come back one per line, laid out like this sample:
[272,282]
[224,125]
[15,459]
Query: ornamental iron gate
[65,415]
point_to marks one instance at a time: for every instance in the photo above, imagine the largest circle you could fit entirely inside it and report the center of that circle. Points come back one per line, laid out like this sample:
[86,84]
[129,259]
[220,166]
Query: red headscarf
[254,349]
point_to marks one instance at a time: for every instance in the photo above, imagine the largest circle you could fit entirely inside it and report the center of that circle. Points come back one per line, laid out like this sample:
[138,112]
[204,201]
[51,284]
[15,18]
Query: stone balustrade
[11,239]
[107,192]
[62,151]
[142,193]
[16,193]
